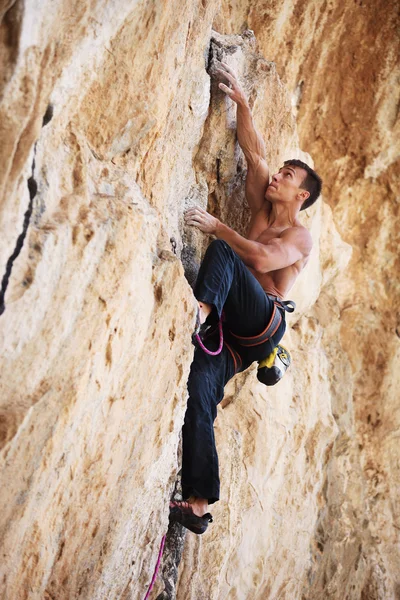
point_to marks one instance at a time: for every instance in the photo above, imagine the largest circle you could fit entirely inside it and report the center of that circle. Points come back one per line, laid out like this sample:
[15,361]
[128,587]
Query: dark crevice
[48,115]
[173,549]
[209,56]
[32,187]
[218,166]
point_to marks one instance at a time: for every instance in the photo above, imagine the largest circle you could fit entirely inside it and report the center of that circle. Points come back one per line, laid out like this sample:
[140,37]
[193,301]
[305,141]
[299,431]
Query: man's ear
[303,195]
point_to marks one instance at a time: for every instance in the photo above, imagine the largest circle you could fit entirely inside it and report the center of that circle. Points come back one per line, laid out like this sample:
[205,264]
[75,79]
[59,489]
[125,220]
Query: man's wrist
[220,229]
[243,103]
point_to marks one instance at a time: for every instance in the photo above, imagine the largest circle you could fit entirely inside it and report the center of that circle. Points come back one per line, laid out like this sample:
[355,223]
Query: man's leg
[223,283]
[200,475]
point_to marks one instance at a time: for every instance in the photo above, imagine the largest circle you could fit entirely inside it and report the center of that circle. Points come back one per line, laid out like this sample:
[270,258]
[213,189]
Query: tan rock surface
[96,329]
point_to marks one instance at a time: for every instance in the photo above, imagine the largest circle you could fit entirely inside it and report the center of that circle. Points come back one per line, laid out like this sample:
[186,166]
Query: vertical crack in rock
[32,187]
[218,166]
[209,56]
[174,544]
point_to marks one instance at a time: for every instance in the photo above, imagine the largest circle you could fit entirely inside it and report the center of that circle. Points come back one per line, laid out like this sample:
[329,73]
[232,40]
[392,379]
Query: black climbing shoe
[272,369]
[181,512]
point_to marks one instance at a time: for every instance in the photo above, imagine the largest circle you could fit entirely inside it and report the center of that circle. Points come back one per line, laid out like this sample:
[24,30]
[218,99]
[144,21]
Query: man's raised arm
[250,141]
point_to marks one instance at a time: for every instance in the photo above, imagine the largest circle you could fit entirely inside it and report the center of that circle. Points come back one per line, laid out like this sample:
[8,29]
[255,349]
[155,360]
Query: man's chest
[259,231]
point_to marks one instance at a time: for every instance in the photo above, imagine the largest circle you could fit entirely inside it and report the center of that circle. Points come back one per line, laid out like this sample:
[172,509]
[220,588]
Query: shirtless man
[243,281]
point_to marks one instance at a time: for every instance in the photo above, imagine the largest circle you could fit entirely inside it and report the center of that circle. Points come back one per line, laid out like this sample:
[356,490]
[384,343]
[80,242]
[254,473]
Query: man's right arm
[250,141]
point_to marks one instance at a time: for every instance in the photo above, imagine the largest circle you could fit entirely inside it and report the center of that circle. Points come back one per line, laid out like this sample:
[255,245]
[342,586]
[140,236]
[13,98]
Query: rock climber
[240,290]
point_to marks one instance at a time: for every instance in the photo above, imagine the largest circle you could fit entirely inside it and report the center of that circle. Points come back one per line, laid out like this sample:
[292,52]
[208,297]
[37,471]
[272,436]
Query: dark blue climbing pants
[227,284]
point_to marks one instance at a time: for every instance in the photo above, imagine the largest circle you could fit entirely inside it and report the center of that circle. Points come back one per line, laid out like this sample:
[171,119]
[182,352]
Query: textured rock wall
[97,314]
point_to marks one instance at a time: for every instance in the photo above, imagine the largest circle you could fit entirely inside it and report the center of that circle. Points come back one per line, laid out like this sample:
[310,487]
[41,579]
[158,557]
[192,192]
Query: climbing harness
[287,305]
[160,553]
[256,340]
[271,328]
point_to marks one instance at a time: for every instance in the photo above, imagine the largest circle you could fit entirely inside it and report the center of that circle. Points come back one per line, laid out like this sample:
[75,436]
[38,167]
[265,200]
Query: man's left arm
[292,245]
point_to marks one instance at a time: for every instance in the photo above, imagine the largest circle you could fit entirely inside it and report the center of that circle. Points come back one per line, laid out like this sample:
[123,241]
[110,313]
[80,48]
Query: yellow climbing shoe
[272,369]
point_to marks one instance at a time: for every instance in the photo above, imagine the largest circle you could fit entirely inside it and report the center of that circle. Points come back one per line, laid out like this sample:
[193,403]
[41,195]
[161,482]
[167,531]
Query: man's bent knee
[220,247]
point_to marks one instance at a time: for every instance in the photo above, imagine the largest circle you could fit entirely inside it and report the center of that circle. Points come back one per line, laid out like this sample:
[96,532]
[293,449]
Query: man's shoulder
[298,230]
[299,236]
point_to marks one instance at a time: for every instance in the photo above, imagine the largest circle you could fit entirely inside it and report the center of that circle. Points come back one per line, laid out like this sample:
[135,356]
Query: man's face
[286,184]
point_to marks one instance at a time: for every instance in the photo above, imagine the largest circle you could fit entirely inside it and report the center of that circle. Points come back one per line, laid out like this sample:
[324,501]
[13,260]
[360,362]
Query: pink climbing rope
[160,553]
[221,341]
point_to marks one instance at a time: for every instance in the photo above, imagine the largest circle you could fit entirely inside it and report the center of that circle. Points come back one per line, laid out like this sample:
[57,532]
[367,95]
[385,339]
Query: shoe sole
[192,522]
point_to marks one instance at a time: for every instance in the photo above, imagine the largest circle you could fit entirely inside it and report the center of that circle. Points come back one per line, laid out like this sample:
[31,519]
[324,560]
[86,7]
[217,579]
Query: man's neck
[283,215]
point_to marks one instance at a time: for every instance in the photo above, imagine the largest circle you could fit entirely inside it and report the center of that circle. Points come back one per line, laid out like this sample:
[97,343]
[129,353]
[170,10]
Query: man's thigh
[247,309]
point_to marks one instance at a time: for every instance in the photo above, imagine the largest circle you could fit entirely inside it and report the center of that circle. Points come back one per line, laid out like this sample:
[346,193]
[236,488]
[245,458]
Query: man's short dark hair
[312,182]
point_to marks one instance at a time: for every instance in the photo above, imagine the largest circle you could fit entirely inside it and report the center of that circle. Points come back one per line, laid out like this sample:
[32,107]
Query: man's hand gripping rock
[235,92]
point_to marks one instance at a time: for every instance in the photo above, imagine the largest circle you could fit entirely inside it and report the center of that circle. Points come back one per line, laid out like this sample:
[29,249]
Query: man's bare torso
[279,282]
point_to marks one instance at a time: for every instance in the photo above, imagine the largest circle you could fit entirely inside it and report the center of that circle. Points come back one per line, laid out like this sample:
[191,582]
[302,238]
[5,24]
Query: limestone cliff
[111,127]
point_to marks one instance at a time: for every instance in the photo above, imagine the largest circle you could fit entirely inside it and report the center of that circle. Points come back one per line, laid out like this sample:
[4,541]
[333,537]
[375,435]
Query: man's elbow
[270,259]
[261,265]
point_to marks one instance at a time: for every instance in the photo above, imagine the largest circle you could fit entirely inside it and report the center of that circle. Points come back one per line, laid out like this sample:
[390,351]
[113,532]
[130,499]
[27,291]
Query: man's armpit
[258,168]
[257,180]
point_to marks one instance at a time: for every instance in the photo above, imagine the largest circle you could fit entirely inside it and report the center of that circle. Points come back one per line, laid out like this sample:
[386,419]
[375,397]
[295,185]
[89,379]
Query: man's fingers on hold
[225,89]
[225,74]
[220,65]
[229,77]
[228,68]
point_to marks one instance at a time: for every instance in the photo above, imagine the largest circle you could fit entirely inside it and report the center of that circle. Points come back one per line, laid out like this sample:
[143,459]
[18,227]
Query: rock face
[111,127]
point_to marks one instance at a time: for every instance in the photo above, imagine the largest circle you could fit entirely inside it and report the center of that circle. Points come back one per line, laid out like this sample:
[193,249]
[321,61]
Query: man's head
[295,181]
